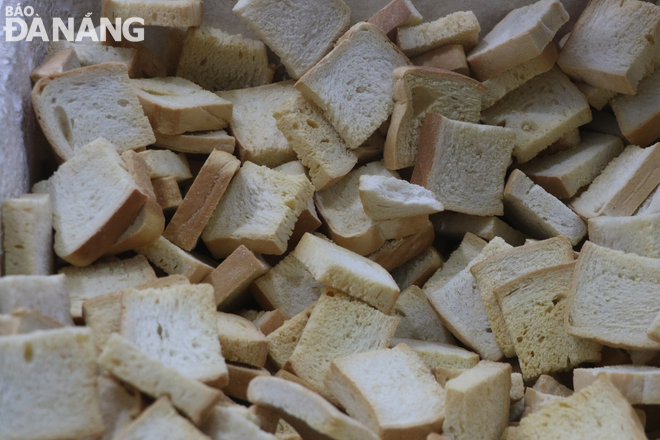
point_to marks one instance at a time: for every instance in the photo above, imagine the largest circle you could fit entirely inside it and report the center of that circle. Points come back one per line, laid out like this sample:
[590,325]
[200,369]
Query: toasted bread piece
[450,58]
[197,142]
[240,340]
[164,163]
[91,53]
[388,198]
[174,260]
[28,321]
[398,13]
[438,355]
[418,408]
[150,65]
[56,63]
[567,141]
[177,13]
[397,252]
[457,28]
[27,235]
[284,340]
[240,377]
[598,300]
[549,385]
[456,225]
[366,57]
[270,321]
[639,115]
[403,227]
[233,422]
[417,319]
[521,36]
[535,401]
[598,98]
[464,164]
[168,193]
[444,375]
[638,384]
[634,235]
[56,368]
[119,406]
[651,205]
[48,295]
[468,250]
[417,270]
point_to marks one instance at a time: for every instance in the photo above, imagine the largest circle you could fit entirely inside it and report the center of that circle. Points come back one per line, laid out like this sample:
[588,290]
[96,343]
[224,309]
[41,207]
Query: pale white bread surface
[468,250]
[613,45]
[341,208]
[419,91]
[388,198]
[535,401]
[397,251]
[540,112]
[174,260]
[459,305]
[477,403]
[288,287]
[283,341]
[411,407]
[338,326]
[128,363]
[90,53]
[568,140]
[94,199]
[160,420]
[28,321]
[55,63]
[197,142]
[27,235]
[549,385]
[417,319]
[623,185]
[348,272]
[638,384]
[57,369]
[259,210]
[170,13]
[417,270]
[316,143]
[45,294]
[119,406]
[533,306]
[450,58]
[598,411]
[499,85]
[254,127]
[398,13]
[599,306]
[176,105]
[305,410]
[464,164]
[598,98]
[217,60]
[457,28]
[538,212]
[300,32]
[439,355]
[240,376]
[639,115]
[178,326]
[106,88]
[232,422]
[241,340]
[509,265]
[521,36]
[366,59]
[634,235]
[455,224]
[164,163]
[653,332]
[105,277]
[562,174]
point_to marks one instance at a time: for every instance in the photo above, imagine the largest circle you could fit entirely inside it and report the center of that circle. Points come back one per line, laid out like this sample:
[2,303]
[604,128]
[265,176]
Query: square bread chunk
[450,58]
[411,407]
[348,272]
[188,343]
[613,45]
[417,270]
[639,115]
[165,163]
[468,250]
[639,384]
[197,142]
[259,210]
[241,340]
[417,319]
[437,355]
[55,63]
[47,294]
[633,235]
[119,405]
[533,306]
[48,386]
[456,225]
[398,13]
[234,421]
[284,340]
[457,28]
[175,261]
[464,164]
[170,13]
[356,75]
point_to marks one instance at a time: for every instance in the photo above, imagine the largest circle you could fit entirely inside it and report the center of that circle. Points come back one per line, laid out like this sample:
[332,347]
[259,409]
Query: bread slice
[450,58]
[651,205]
[240,377]
[305,410]
[456,225]
[128,363]
[499,85]
[164,163]
[639,115]
[104,88]
[361,328]
[598,411]
[535,211]
[562,174]
[105,277]
[397,252]
[638,384]
[241,341]
[284,340]
[150,65]
[177,13]
[387,198]
[174,260]
[56,63]
[372,148]
[411,407]
[168,193]
[270,321]
[417,319]
[365,57]
[160,420]
[48,295]
[535,401]
[404,227]
[634,235]
[217,60]
[233,422]
[464,164]
[417,270]
[201,200]
[176,105]
[119,406]
[506,266]
[28,321]
[598,98]
[87,223]
[315,141]
[598,301]
[540,112]
[348,272]
[623,186]
[613,45]
[259,210]
[27,235]
[288,287]
[438,355]
[197,142]
[301,42]
[567,141]
[549,385]
[188,343]
[468,250]
[419,91]
[457,28]
[521,36]
[398,13]
[90,53]
[477,402]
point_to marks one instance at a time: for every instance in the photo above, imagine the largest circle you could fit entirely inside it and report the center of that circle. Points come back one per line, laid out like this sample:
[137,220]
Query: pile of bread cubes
[395,230]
